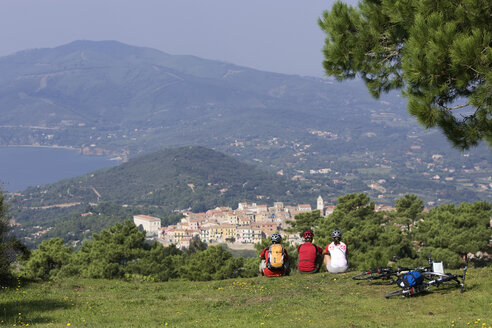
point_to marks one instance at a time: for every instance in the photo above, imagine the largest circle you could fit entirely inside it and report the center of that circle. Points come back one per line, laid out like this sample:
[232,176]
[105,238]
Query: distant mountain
[110,98]
[107,97]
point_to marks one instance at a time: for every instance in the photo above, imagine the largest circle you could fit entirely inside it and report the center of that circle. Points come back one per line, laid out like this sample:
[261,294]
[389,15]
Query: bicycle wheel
[431,275]
[400,292]
[364,276]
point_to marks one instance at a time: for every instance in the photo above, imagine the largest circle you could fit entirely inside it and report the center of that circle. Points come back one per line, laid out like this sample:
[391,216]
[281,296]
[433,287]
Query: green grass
[321,300]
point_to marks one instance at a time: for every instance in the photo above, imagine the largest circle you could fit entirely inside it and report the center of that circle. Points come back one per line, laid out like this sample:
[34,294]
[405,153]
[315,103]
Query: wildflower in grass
[68,324]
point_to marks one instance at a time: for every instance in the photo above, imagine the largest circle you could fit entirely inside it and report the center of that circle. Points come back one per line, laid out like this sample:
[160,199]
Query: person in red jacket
[309,254]
[264,265]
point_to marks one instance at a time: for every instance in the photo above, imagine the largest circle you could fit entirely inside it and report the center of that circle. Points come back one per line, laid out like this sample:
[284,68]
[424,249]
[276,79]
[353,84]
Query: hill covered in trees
[159,183]
[189,177]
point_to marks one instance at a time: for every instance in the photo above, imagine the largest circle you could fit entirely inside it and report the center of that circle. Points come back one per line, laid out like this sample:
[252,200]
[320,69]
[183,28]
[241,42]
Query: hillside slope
[177,178]
[320,300]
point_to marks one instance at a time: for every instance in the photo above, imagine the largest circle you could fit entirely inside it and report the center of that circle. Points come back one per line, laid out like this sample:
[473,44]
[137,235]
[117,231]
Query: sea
[22,167]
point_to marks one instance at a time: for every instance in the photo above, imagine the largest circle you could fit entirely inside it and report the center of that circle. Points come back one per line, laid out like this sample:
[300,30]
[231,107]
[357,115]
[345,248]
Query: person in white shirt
[335,254]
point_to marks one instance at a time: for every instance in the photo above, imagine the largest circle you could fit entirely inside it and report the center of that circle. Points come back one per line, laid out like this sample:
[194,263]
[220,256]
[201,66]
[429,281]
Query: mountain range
[109,98]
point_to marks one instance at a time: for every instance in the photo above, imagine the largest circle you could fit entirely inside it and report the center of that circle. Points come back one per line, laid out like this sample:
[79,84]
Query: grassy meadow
[321,300]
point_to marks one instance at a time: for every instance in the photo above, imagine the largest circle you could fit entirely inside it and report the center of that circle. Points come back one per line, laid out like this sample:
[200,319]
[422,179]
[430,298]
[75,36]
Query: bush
[212,264]
[46,262]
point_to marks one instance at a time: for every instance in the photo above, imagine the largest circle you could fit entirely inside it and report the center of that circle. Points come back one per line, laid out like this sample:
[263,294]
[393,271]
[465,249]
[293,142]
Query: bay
[21,167]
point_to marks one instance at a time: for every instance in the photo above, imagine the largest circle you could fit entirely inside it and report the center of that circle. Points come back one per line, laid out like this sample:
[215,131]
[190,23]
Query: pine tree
[11,249]
[450,232]
[438,52]
[4,261]
[408,210]
[304,221]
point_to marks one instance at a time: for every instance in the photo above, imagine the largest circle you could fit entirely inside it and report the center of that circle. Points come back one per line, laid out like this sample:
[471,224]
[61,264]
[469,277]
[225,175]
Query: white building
[150,224]
[244,234]
[320,204]
[304,208]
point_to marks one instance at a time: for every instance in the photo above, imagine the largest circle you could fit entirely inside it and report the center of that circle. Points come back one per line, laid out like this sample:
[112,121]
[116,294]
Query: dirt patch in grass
[259,299]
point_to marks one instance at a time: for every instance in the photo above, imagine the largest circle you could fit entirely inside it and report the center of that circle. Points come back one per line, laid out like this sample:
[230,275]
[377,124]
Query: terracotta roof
[147,217]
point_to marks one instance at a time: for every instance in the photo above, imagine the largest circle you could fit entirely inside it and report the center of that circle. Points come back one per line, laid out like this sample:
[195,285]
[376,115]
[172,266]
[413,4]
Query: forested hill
[177,178]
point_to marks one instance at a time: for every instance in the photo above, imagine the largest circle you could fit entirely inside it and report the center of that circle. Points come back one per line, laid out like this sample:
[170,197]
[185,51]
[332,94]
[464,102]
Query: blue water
[21,167]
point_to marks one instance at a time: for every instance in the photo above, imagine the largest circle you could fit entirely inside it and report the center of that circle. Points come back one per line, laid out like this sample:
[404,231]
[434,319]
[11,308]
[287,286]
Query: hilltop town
[239,228]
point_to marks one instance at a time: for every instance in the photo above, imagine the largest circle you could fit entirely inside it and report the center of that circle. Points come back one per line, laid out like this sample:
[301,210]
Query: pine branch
[456,107]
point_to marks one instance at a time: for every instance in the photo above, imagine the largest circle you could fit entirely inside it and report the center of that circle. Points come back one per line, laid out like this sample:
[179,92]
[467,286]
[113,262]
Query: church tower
[321,205]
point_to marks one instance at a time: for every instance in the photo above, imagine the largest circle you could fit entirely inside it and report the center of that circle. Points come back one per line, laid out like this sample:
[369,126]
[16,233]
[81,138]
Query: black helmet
[276,238]
[336,233]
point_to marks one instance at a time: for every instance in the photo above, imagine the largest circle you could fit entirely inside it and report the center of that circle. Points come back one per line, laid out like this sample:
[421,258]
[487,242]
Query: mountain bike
[388,273]
[437,280]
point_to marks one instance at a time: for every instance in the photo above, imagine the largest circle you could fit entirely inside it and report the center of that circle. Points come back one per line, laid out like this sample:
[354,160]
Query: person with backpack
[335,254]
[275,260]
[309,254]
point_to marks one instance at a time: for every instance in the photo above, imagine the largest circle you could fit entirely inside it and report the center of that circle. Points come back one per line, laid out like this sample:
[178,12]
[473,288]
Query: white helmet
[336,233]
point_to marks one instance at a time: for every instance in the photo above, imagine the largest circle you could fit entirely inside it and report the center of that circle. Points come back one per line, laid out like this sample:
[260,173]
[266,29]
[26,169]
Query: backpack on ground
[410,279]
[275,259]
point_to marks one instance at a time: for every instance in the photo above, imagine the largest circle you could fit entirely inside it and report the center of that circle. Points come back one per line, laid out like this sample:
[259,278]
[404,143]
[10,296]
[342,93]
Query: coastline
[40,146]
[25,166]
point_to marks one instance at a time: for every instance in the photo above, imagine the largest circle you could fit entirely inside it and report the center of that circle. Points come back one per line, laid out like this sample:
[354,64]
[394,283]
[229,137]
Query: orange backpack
[275,259]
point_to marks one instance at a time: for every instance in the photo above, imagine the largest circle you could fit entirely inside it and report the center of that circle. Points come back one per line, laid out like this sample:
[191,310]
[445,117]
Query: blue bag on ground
[410,279]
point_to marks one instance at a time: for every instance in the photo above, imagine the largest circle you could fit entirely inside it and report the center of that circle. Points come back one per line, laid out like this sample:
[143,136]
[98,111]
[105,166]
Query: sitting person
[275,260]
[309,254]
[335,254]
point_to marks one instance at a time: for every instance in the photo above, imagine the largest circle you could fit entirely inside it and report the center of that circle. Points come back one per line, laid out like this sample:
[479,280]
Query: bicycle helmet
[336,234]
[276,238]
[308,235]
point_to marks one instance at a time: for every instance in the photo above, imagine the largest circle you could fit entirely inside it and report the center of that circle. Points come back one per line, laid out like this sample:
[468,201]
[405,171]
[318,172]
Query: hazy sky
[273,35]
